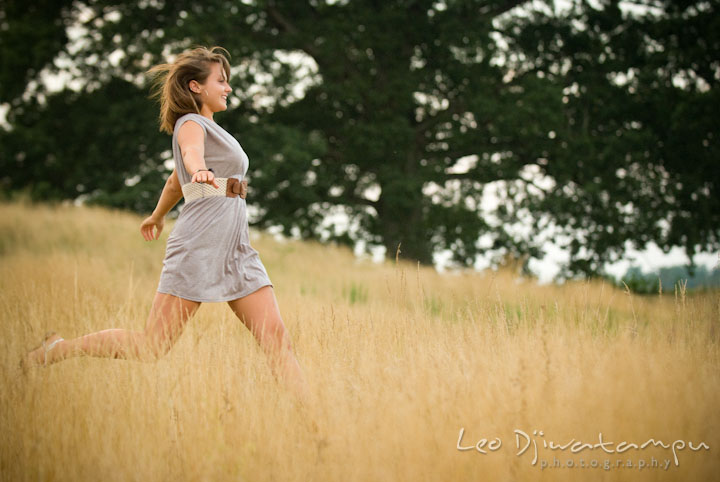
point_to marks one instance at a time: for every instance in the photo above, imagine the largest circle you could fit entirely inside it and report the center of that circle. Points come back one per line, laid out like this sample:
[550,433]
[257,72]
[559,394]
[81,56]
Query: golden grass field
[401,358]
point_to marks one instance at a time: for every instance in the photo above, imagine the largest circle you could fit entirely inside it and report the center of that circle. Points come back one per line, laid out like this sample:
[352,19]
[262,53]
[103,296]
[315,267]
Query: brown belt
[228,186]
[236,187]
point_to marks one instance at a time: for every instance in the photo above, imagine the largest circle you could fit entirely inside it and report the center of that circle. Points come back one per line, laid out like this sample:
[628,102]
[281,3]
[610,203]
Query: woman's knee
[280,338]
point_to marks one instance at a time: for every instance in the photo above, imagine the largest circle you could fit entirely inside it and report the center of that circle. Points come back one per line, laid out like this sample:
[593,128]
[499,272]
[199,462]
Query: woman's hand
[146,228]
[205,176]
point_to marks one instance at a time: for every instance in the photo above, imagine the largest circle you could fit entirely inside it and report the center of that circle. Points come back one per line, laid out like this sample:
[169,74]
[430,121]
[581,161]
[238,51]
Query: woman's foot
[40,355]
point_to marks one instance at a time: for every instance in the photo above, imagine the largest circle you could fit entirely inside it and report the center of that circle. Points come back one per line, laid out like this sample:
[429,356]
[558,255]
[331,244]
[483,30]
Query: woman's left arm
[171,194]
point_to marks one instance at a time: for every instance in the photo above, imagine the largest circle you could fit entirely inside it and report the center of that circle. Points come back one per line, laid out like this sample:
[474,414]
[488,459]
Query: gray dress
[208,255]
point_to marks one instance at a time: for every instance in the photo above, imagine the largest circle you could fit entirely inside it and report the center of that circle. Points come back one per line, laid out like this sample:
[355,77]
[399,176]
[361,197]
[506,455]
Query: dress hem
[242,294]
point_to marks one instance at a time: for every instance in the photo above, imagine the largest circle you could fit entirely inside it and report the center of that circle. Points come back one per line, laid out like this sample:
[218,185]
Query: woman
[208,256]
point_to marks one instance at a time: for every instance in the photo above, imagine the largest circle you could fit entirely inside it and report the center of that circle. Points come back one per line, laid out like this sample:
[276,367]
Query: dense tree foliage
[592,125]
[635,156]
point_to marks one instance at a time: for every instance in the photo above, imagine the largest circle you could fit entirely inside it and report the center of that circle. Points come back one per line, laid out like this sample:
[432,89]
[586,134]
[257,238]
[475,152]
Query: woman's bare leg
[166,321]
[260,313]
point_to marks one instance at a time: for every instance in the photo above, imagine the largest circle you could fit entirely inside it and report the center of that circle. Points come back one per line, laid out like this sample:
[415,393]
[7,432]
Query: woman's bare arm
[171,194]
[191,139]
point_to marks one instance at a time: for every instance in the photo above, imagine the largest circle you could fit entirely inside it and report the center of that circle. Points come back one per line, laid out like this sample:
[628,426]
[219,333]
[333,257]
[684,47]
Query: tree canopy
[460,125]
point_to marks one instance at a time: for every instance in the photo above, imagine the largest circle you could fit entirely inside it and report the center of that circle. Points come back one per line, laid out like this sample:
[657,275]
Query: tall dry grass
[401,359]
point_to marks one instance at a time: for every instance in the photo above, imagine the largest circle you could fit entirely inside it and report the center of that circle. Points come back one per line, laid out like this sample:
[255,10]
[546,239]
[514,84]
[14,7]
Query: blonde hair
[170,83]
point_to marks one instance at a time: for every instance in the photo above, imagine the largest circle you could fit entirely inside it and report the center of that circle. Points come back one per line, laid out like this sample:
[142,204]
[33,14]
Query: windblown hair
[170,83]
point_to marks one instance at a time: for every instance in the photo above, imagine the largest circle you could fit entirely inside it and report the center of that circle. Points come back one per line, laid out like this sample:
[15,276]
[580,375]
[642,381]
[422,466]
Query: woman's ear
[194,86]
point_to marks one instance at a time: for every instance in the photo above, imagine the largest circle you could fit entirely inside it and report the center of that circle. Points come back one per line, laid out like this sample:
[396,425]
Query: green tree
[636,158]
[415,107]
[85,144]
[31,35]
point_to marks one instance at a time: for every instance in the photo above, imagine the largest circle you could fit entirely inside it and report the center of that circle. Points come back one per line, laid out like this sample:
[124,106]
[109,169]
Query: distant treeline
[697,278]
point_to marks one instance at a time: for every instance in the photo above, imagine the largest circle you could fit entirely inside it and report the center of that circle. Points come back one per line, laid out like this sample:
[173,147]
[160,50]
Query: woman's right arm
[171,194]
[191,139]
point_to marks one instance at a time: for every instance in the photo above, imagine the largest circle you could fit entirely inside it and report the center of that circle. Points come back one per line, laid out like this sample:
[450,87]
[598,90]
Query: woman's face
[216,88]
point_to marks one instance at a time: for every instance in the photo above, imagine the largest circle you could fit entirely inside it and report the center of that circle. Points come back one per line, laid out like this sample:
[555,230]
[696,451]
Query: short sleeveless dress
[208,257]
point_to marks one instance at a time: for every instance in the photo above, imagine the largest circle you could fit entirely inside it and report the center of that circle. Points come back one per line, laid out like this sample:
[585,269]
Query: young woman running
[208,256]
